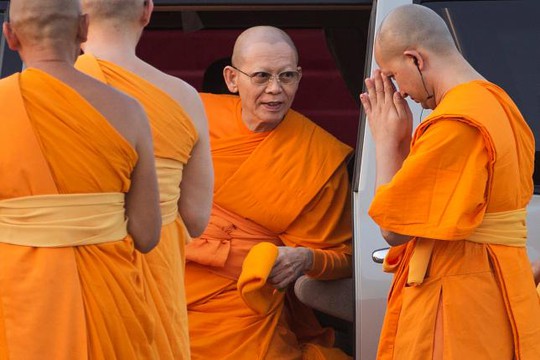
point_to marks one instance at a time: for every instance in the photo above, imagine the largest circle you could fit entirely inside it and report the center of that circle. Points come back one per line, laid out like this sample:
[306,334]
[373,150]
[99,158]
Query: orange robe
[470,159]
[286,187]
[174,137]
[80,302]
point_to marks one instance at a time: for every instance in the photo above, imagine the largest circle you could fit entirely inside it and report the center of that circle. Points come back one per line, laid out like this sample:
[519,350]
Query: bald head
[45,21]
[414,27]
[114,10]
[259,35]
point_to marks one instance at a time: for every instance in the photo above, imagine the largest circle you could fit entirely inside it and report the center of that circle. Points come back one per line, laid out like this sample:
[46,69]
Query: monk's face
[404,73]
[266,105]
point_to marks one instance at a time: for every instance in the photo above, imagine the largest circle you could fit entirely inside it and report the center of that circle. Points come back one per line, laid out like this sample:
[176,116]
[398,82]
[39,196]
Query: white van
[335,38]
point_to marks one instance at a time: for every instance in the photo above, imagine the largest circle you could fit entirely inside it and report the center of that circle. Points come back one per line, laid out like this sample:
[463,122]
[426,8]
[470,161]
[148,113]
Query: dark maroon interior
[323,95]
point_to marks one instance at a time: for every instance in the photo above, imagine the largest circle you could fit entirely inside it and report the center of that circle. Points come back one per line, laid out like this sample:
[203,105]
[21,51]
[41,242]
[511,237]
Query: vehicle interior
[194,42]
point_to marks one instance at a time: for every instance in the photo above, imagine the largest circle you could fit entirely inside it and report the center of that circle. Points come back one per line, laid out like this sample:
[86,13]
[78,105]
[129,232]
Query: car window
[500,39]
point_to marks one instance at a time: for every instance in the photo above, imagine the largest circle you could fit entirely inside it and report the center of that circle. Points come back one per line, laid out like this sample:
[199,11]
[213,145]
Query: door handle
[379,255]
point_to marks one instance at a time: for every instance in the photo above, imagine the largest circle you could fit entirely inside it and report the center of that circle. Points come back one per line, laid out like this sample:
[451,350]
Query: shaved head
[413,27]
[115,10]
[259,34]
[44,21]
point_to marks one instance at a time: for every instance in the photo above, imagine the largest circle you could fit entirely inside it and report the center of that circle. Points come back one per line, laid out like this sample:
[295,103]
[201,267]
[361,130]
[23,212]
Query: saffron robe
[288,187]
[81,302]
[174,136]
[473,156]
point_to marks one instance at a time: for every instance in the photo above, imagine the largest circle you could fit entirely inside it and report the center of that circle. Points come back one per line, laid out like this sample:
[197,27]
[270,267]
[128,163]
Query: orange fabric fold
[174,137]
[264,191]
[226,242]
[104,312]
[252,286]
[462,158]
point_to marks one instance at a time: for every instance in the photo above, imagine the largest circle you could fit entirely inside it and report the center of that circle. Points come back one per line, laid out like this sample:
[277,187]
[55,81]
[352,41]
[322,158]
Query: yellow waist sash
[507,228]
[61,220]
[169,174]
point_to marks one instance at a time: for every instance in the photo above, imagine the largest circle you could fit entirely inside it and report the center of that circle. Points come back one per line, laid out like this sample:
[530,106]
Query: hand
[536,271]
[389,115]
[290,264]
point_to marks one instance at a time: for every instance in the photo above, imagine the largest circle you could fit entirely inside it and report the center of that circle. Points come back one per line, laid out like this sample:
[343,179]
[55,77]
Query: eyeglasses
[263,78]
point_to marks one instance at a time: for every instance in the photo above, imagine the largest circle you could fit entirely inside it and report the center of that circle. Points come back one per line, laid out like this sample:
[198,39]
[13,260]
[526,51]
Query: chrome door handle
[379,255]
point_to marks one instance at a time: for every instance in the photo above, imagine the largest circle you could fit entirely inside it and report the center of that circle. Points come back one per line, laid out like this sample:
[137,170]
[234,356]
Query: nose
[273,86]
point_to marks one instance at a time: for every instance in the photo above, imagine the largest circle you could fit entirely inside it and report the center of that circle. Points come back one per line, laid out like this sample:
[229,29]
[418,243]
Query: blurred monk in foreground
[76,161]
[451,200]
[181,149]
[281,209]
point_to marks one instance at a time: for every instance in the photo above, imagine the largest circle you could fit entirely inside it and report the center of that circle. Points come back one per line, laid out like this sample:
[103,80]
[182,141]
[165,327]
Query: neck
[259,126]
[460,72]
[113,43]
[49,60]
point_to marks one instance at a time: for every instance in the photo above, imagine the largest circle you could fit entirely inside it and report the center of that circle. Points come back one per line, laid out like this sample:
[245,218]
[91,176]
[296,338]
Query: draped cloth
[69,302]
[461,193]
[174,136]
[288,187]
[67,219]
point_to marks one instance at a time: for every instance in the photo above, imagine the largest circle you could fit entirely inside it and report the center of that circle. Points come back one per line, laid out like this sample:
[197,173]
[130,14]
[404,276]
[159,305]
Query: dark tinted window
[501,40]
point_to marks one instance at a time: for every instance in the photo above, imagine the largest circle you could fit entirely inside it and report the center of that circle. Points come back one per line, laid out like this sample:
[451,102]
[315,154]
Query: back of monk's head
[259,34]
[45,22]
[414,27]
[120,11]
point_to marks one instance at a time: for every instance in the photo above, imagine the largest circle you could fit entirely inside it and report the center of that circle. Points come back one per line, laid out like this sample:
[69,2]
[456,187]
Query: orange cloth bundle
[252,286]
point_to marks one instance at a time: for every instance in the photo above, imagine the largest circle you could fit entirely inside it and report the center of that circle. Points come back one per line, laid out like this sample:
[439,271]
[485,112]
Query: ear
[231,78]
[82,31]
[147,13]
[416,57]
[10,36]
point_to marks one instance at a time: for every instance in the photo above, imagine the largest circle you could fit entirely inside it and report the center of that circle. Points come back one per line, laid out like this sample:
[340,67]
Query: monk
[181,149]
[74,154]
[280,181]
[451,200]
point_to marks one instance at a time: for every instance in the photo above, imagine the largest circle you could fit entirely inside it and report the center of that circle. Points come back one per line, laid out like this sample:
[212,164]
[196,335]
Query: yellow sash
[62,220]
[507,228]
[169,174]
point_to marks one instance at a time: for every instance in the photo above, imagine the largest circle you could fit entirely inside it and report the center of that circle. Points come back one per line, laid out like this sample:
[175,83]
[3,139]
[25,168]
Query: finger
[401,105]
[364,99]
[379,87]
[370,90]
[279,279]
[389,89]
[282,286]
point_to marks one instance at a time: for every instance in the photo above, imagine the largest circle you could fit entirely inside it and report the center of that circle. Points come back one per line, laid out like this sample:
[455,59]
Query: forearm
[395,239]
[389,159]
[330,265]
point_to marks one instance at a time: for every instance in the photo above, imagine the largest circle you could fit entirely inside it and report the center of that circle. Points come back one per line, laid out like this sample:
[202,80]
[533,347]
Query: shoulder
[449,135]
[452,127]
[117,97]
[179,90]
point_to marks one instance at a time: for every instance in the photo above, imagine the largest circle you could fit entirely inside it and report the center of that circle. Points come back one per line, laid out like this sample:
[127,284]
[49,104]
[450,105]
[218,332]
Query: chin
[273,119]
